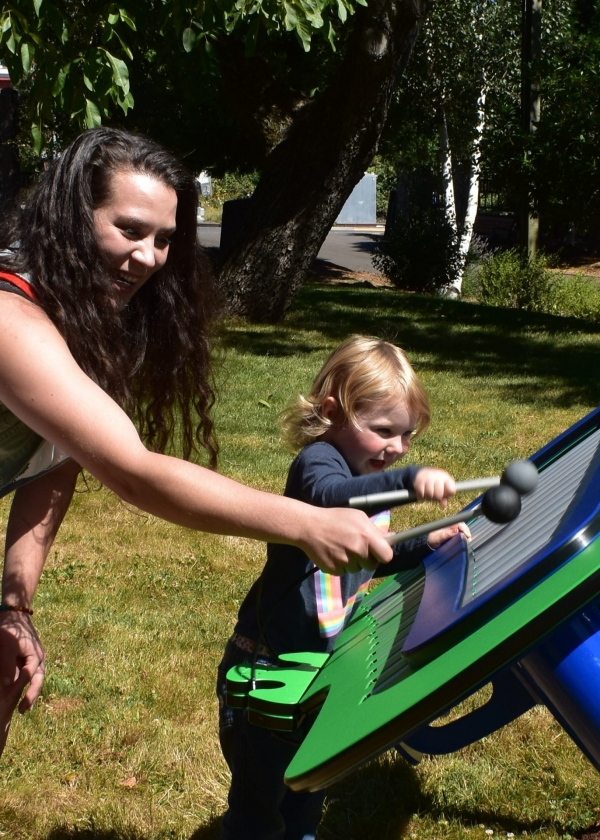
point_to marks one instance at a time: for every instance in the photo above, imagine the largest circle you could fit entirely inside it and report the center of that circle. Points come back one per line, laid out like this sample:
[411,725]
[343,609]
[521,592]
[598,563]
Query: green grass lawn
[134,612]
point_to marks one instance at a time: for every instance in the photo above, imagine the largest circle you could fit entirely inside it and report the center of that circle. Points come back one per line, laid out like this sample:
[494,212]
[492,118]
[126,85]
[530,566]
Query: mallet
[521,475]
[500,503]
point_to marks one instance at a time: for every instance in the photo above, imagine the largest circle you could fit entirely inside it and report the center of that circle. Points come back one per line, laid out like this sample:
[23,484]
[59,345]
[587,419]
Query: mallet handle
[401,497]
[428,527]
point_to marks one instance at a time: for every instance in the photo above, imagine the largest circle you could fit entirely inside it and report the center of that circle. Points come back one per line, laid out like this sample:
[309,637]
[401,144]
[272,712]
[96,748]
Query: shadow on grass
[545,353]
[68,833]
[210,831]
[377,802]
[472,818]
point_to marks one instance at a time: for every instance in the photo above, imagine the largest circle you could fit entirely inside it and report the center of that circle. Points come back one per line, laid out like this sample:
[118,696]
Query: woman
[105,308]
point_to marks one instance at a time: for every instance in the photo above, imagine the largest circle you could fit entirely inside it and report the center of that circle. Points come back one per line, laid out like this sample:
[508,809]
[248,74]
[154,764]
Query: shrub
[479,253]
[575,296]
[230,186]
[511,280]
[420,254]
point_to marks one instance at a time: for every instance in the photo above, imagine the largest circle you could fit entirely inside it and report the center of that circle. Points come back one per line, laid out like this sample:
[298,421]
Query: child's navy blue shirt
[312,614]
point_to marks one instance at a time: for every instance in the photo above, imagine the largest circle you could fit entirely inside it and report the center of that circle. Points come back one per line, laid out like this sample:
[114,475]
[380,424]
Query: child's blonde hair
[360,372]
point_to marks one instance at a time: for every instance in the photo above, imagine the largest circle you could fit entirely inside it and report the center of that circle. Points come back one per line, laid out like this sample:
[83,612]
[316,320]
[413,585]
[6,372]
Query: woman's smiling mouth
[125,282]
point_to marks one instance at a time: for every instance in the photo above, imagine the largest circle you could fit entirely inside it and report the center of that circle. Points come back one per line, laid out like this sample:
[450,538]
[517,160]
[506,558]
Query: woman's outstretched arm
[41,384]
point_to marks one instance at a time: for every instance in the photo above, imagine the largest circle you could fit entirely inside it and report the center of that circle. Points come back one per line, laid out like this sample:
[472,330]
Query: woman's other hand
[22,663]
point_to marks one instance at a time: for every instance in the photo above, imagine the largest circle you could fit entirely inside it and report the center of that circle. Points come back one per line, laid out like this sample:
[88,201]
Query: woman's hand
[36,513]
[341,540]
[22,661]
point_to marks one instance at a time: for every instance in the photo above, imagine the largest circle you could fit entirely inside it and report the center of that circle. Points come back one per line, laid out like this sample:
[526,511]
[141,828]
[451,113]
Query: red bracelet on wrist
[16,608]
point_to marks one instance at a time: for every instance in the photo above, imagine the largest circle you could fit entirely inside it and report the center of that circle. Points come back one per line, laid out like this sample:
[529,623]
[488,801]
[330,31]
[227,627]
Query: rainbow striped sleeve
[331,610]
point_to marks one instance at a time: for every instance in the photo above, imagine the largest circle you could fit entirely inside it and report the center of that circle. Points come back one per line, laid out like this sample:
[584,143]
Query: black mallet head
[501,504]
[522,476]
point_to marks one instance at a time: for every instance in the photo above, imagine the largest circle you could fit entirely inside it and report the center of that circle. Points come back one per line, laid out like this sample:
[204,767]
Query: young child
[365,406]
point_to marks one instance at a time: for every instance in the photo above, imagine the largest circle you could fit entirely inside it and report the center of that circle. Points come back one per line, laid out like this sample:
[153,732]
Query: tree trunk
[445,156]
[462,228]
[473,199]
[309,174]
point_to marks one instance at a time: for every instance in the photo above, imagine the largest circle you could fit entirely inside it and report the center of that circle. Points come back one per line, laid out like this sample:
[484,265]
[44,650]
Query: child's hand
[436,485]
[436,538]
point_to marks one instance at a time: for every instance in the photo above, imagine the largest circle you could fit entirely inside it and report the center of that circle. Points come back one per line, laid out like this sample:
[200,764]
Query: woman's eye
[130,233]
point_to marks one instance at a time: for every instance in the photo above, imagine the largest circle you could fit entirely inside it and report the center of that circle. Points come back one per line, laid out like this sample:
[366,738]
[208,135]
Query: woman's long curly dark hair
[153,357]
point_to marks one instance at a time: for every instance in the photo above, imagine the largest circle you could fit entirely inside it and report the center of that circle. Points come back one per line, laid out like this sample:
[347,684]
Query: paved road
[350,249]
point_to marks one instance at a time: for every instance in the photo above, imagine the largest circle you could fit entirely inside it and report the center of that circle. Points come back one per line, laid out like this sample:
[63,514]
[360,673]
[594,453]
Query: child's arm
[321,476]
[409,554]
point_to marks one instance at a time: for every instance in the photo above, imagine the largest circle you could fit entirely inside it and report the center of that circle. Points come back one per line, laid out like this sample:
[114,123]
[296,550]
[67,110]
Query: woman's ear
[330,409]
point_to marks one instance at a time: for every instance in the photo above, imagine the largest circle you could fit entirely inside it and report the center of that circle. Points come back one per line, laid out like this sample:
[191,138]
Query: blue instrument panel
[465,583]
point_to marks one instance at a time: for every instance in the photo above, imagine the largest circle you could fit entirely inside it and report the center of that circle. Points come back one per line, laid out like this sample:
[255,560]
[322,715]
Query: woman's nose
[144,253]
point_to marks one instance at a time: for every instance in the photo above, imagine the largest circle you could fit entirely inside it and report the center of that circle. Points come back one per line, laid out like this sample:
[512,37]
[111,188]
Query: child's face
[383,437]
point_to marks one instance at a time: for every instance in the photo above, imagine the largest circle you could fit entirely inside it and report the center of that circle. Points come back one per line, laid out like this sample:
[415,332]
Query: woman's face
[133,229]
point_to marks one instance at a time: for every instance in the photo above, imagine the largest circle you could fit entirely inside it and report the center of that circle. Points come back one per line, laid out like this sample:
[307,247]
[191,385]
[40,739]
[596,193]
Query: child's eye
[384,432]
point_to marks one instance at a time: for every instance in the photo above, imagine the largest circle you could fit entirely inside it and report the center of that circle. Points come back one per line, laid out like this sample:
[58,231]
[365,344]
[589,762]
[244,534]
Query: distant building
[4,77]
[361,206]
[204,182]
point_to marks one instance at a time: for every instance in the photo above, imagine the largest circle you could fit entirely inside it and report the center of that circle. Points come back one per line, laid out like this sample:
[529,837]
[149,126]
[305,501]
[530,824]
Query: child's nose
[398,446]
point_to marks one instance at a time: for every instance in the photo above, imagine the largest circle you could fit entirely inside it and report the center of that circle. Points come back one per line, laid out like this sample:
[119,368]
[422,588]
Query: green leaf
[92,114]
[304,32]
[126,19]
[27,53]
[11,44]
[342,11]
[313,14]
[60,80]
[189,39]
[126,103]
[120,72]
[38,138]
[37,5]
[113,18]
[264,403]
[291,18]
[124,46]
[331,37]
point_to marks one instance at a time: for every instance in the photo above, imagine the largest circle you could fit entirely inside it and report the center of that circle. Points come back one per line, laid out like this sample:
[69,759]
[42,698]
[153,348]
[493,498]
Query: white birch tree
[467,48]
[458,53]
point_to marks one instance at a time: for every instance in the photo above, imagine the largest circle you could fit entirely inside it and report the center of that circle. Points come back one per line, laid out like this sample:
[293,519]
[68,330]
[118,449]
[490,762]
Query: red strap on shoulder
[21,284]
